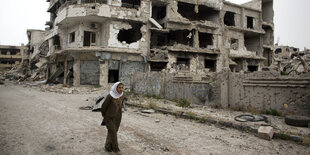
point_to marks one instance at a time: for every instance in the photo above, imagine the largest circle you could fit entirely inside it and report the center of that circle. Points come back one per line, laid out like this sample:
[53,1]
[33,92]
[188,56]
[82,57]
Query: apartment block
[11,56]
[97,42]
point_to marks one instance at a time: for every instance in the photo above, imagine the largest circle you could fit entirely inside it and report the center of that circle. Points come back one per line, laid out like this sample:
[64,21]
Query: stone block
[265,132]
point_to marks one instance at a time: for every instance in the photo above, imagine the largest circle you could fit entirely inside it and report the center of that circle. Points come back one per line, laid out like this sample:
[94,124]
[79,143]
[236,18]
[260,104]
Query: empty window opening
[131,35]
[183,64]
[198,12]
[252,68]
[250,22]
[252,43]
[14,52]
[229,19]
[159,13]
[4,62]
[184,37]
[158,66]
[232,68]
[3,52]
[72,37]
[89,38]
[234,44]
[205,39]
[113,76]
[210,64]
[131,3]
[278,50]
[56,42]
[295,49]
[159,39]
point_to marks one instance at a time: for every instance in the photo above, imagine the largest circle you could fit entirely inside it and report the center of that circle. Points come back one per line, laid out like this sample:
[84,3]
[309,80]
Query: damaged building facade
[11,56]
[98,42]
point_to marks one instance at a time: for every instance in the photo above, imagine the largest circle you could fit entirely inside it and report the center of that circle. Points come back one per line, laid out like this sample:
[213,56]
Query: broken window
[205,39]
[158,66]
[159,39]
[56,42]
[250,22]
[198,12]
[210,64]
[183,64]
[159,13]
[113,76]
[13,52]
[131,35]
[184,37]
[131,3]
[278,50]
[89,38]
[3,52]
[72,37]
[229,19]
[232,68]
[252,43]
[252,68]
[234,44]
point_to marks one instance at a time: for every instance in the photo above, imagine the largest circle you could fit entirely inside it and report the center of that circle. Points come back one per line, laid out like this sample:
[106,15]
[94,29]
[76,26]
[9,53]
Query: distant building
[11,56]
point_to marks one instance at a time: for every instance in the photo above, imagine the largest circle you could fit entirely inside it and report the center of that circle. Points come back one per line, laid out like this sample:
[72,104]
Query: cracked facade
[103,41]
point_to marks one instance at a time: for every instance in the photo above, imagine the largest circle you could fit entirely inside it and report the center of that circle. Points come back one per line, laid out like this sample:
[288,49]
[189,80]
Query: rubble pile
[296,65]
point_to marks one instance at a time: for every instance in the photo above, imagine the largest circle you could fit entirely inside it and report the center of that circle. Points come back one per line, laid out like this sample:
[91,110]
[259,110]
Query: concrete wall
[128,68]
[166,85]
[147,83]
[261,91]
[255,92]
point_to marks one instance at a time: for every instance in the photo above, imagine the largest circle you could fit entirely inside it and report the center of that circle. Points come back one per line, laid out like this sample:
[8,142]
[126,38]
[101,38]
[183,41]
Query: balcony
[96,12]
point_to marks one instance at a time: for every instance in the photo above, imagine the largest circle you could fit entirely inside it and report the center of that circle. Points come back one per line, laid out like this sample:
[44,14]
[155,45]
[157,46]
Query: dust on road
[35,122]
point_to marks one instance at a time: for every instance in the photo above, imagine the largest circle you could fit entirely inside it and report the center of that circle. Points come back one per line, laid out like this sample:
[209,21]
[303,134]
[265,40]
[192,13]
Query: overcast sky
[292,20]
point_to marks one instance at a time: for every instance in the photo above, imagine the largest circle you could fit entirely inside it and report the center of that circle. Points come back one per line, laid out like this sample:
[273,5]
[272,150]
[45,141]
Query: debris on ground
[265,132]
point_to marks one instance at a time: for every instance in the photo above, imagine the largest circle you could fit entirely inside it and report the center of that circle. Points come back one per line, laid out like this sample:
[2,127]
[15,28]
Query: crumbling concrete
[174,36]
[265,132]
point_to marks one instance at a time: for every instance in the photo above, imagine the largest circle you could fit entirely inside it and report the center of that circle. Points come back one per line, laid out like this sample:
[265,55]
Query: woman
[111,110]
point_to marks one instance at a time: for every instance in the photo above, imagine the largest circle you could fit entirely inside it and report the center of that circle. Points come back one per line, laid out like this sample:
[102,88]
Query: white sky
[292,20]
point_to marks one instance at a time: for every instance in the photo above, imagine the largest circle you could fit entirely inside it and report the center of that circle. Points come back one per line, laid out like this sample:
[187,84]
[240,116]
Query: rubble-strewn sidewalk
[225,118]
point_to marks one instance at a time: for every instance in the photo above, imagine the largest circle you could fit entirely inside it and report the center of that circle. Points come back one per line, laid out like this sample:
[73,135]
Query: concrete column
[102,72]
[65,69]
[106,70]
[196,39]
[243,24]
[76,72]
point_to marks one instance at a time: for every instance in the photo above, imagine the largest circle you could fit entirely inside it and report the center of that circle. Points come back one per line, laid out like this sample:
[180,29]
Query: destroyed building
[11,56]
[290,60]
[98,42]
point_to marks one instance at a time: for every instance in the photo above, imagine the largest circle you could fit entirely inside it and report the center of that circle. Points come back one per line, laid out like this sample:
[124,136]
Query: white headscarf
[114,92]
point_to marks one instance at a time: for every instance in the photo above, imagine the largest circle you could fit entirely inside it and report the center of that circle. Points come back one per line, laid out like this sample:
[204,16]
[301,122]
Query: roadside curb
[204,120]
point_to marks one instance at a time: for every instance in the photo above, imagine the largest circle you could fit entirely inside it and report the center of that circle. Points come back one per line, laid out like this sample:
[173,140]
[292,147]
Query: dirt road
[35,122]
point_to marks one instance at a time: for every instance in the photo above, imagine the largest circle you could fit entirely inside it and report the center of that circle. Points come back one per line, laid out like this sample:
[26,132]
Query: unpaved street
[35,122]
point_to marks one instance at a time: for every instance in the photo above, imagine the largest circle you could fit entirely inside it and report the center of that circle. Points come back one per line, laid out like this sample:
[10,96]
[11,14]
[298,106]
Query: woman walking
[111,110]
